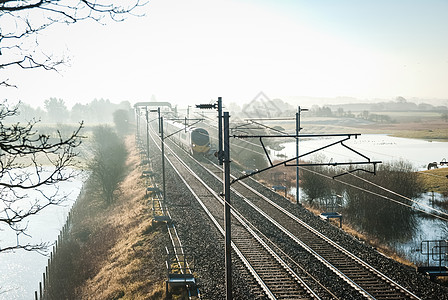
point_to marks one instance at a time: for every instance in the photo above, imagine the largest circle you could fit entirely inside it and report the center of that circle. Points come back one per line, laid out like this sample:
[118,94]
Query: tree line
[264,107]
[55,110]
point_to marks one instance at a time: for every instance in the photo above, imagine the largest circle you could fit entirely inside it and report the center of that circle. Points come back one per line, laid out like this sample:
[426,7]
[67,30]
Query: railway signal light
[217,106]
[206,106]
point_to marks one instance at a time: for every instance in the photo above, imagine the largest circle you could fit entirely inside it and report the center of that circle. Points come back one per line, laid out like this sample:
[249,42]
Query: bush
[108,163]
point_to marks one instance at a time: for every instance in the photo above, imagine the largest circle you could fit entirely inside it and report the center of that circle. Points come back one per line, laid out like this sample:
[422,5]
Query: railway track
[359,275]
[273,274]
[176,258]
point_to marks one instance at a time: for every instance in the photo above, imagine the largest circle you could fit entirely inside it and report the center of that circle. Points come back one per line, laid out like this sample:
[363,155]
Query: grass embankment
[113,252]
[427,130]
[435,180]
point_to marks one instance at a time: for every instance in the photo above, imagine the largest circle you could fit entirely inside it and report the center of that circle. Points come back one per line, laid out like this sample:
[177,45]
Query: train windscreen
[199,137]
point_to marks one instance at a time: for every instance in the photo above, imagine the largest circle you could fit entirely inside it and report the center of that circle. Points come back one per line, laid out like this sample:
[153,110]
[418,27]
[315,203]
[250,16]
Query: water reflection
[21,271]
[428,228]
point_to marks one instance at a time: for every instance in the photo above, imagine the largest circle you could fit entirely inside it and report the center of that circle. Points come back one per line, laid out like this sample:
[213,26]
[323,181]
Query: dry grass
[126,268]
[428,130]
[424,134]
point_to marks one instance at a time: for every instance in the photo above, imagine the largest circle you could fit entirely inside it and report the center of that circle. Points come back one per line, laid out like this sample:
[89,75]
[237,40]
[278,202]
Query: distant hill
[387,106]
[353,104]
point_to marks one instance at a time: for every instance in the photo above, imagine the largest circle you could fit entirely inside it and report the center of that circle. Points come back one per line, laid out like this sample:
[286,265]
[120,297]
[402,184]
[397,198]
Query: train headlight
[193,145]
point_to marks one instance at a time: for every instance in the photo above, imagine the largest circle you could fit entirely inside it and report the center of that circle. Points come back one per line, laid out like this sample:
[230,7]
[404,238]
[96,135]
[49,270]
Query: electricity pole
[163,158]
[227,215]
[224,158]
[299,110]
[158,112]
[147,133]
[137,117]
[220,154]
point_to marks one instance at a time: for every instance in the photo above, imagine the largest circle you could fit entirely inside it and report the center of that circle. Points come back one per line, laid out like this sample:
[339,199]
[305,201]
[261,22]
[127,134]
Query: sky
[189,52]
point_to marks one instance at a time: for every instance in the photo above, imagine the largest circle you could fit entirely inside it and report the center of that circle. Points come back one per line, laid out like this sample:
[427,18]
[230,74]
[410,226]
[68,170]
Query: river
[21,271]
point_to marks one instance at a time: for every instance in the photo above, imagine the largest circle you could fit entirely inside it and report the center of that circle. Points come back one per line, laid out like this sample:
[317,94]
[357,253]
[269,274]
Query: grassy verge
[113,252]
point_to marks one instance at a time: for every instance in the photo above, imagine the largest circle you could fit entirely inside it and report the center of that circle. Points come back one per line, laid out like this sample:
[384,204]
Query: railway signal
[217,106]
[206,106]
[228,240]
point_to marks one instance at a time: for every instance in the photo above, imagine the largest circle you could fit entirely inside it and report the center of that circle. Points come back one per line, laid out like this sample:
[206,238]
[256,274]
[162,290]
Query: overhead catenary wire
[273,244]
[264,236]
[376,185]
[398,194]
[367,150]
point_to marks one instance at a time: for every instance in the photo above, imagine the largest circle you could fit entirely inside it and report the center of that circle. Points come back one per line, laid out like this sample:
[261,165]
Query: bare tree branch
[30,161]
[34,162]
[5,83]
[29,17]
[40,248]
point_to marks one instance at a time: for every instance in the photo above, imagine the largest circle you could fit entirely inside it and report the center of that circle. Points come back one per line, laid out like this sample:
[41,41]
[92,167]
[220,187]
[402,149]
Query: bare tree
[30,163]
[21,22]
[29,160]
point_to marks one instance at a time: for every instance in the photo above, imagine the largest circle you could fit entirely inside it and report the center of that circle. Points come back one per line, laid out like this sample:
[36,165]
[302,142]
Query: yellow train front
[199,141]
[194,140]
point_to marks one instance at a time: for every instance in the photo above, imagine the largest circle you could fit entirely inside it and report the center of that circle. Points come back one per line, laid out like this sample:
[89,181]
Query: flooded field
[375,146]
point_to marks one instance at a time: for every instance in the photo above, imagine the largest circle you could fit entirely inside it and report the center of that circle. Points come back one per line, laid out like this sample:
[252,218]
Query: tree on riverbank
[108,162]
[31,166]
[372,202]
[385,217]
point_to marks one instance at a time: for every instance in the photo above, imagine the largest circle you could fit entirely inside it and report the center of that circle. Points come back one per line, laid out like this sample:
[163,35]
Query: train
[194,140]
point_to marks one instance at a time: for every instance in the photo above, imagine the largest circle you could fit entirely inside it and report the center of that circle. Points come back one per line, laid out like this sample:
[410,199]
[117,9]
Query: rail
[301,288]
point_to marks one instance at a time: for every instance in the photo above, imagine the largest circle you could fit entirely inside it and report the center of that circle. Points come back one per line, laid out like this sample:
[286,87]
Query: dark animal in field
[432,165]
